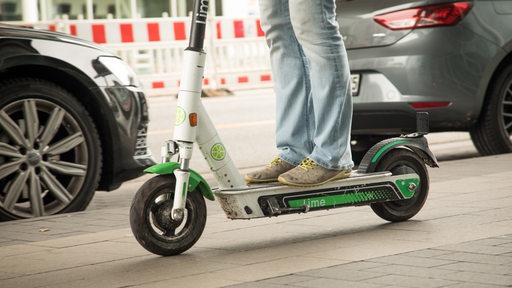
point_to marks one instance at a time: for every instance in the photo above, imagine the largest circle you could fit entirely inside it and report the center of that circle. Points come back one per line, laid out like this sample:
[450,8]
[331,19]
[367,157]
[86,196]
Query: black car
[452,59]
[73,120]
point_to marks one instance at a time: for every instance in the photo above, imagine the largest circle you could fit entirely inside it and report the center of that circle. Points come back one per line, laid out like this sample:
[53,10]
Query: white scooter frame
[168,214]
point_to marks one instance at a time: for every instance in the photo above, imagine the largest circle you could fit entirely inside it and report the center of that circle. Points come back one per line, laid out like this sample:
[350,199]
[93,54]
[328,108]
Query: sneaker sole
[339,176]
[252,180]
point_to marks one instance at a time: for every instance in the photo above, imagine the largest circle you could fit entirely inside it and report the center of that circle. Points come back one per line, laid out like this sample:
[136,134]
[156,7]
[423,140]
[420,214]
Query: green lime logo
[180,115]
[218,152]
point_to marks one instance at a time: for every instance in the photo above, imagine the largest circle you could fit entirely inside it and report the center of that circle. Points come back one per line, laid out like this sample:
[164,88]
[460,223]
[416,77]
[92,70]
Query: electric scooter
[168,212]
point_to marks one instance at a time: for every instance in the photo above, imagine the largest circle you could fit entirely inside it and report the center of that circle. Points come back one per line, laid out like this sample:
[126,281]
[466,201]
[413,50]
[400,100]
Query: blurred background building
[43,10]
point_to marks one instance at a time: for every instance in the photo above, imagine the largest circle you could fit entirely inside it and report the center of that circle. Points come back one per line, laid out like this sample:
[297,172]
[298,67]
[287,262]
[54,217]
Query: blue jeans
[312,81]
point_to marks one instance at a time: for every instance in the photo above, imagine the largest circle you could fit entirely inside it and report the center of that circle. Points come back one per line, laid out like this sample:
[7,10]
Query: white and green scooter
[168,213]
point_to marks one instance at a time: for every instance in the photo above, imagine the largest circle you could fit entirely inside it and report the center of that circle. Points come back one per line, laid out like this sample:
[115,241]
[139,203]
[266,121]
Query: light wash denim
[312,81]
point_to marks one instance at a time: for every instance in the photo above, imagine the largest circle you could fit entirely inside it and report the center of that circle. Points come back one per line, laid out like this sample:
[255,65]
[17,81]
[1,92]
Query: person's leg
[294,114]
[317,30]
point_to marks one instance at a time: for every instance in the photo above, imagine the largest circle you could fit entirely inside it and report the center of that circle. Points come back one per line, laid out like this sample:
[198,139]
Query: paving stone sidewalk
[482,263]
[461,238]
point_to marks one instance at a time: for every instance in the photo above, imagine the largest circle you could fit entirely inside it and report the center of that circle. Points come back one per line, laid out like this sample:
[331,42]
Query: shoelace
[274,162]
[307,164]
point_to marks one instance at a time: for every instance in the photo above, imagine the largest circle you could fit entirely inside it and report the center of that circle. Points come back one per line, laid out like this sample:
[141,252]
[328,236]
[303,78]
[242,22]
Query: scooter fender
[417,144]
[195,180]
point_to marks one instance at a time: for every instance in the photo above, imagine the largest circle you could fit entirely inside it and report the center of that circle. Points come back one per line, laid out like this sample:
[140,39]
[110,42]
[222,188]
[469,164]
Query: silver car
[450,58]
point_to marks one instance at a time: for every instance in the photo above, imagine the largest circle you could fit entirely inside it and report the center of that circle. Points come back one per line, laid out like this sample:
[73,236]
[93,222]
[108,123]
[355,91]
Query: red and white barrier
[239,28]
[237,53]
[112,31]
[151,30]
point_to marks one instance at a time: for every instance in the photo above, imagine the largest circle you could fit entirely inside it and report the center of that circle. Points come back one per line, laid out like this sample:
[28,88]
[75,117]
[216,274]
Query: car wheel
[50,154]
[493,132]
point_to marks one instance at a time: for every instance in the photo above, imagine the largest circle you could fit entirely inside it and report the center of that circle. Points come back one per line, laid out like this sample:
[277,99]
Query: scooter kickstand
[274,210]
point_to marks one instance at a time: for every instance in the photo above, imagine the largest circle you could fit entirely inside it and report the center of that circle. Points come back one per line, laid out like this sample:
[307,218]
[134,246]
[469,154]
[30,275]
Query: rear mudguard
[418,144]
[195,180]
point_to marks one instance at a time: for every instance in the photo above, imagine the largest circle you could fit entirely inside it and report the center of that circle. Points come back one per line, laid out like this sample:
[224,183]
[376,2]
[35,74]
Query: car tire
[493,132]
[50,153]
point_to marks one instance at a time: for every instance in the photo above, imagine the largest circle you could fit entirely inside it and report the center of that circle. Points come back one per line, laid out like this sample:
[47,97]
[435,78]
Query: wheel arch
[195,181]
[505,62]
[79,85]
[485,133]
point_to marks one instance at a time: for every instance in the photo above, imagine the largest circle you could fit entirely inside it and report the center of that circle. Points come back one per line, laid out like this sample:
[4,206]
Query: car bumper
[126,152]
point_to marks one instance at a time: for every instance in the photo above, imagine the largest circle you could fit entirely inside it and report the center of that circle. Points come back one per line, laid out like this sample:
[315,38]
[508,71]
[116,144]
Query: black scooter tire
[151,222]
[402,161]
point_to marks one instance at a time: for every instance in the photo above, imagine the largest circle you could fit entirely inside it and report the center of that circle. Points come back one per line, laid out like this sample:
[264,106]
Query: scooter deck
[273,199]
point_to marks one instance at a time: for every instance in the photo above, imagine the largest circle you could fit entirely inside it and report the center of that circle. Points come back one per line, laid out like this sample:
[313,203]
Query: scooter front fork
[182,177]
[180,195]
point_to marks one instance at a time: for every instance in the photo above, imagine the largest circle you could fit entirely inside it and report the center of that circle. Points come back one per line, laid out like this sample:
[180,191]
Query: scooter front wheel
[403,161]
[151,221]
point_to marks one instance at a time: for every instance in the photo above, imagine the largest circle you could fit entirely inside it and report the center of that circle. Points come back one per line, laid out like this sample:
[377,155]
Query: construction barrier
[237,56]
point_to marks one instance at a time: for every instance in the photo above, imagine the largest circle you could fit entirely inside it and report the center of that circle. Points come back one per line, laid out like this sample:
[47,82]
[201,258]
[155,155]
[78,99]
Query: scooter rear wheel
[151,222]
[402,161]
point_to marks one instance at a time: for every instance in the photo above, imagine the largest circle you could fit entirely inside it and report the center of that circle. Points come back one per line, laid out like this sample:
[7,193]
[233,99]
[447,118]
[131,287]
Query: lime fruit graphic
[180,115]
[218,151]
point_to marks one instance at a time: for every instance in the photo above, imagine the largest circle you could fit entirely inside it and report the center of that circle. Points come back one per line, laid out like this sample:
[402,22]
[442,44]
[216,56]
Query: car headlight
[118,68]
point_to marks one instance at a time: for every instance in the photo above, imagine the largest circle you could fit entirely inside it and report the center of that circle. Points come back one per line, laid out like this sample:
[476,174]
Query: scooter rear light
[429,105]
[426,16]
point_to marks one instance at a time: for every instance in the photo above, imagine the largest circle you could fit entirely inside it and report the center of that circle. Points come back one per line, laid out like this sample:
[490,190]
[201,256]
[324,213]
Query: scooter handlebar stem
[198,27]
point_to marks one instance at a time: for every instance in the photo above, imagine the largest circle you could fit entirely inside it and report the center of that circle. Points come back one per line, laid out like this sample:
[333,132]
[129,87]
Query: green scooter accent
[195,180]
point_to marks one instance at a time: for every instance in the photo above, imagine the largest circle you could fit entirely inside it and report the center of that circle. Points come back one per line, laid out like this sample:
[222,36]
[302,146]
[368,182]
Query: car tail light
[425,16]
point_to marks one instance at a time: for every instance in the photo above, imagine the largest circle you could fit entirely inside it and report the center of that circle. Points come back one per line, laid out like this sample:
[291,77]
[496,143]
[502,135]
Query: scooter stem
[194,59]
